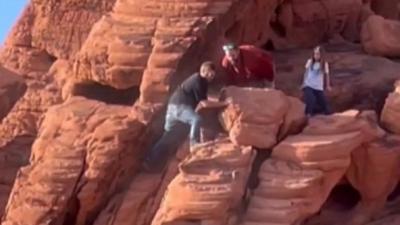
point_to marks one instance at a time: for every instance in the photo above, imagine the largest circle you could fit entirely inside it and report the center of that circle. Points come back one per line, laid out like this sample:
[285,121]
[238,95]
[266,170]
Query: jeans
[315,102]
[175,114]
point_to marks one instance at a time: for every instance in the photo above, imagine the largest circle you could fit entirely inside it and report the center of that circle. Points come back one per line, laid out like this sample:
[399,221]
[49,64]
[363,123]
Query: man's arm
[208,104]
[226,66]
[308,64]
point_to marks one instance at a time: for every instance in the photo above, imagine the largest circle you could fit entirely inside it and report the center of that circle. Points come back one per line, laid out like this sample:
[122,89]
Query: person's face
[232,55]
[209,74]
[317,54]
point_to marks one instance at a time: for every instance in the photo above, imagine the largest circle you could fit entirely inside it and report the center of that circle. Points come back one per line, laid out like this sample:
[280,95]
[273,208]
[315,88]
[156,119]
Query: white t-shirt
[314,75]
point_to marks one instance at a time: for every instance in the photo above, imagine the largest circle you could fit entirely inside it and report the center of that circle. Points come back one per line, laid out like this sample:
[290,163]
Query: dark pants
[315,102]
[176,114]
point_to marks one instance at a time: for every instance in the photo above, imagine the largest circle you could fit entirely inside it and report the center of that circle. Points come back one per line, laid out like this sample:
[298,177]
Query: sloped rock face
[83,151]
[209,186]
[285,194]
[255,116]
[12,157]
[74,18]
[32,64]
[12,87]
[139,202]
[381,36]
[29,51]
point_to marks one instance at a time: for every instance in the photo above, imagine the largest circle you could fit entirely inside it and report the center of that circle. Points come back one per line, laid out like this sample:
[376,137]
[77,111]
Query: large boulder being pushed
[259,117]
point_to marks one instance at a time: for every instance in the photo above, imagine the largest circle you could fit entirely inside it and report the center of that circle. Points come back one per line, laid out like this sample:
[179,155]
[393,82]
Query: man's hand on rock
[211,104]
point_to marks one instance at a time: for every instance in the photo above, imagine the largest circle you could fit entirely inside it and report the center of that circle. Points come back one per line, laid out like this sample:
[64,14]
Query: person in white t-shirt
[316,79]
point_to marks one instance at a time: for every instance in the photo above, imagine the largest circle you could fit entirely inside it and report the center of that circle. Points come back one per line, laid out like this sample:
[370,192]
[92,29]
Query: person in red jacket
[247,65]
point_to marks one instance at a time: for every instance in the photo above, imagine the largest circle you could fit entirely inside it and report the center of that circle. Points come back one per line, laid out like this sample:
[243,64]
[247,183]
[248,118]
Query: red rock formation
[255,116]
[81,167]
[307,23]
[83,151]
[390,220]
[388,9]
[74,18]
[12,88]
[305,168]
[143,48]
[138,203]
[391,110]
[381,36]
[285,194]
[210,185]
[374,172]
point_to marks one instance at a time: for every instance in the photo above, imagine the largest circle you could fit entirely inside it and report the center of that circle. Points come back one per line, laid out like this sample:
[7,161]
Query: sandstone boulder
[303,169]
[295,119]
[83,151]
[325,152]
[210,184]
[286,194]
[365,122]
[391,111]
[255,116]
[381,36]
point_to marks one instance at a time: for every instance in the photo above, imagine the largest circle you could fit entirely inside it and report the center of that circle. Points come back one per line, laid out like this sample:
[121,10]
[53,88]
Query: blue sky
[9,12]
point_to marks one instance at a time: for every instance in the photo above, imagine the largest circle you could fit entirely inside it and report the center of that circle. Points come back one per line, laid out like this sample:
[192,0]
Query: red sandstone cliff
[83,84]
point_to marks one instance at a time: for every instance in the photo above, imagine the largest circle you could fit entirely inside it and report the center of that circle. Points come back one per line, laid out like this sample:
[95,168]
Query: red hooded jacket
[252,64]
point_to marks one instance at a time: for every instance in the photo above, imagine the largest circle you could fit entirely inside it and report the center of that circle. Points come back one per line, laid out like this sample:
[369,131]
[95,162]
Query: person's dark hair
[208,65]
[322,59]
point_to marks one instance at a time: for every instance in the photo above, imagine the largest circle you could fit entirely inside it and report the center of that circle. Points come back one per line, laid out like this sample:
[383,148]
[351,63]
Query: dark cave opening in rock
[342,199]
[269,46]
[107,94]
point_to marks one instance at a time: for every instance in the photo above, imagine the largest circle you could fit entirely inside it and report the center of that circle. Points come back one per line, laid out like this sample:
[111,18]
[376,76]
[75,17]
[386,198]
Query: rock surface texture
[83,85]
[249,122]
[391,110]
[12,87]
[77,160]
[305,168]
[381,36]
[209,186]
